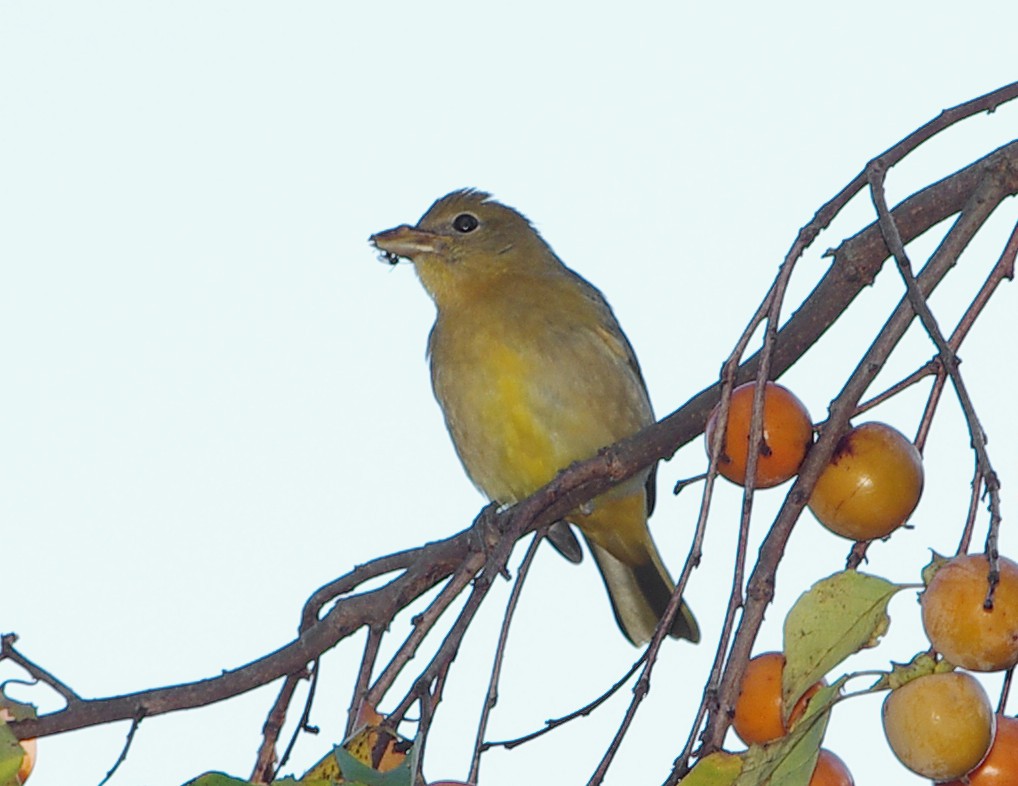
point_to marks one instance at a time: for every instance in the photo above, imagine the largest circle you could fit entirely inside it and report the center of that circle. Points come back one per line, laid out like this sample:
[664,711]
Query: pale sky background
[215,398]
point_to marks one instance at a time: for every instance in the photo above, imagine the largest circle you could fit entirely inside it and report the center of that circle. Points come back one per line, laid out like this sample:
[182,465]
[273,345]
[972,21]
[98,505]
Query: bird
[533,372]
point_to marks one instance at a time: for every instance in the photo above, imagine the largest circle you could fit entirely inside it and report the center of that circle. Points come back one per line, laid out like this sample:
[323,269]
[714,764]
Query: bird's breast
[525,395]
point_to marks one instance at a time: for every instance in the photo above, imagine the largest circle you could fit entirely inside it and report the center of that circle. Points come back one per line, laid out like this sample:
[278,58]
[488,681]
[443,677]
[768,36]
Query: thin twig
[135,723]
[1003,269]
[761,583]
[877,173]
[857,554]
[973,511]
[422,569]
[768,310]
[1005,691]
[729,664]
[428,696]
[735,597]
[9,652]
[930,409]
[427,717]
[350,581]
[439,664]
[727,383]
[422,625]
[683,483]
[491,697]
[360,688]
[302,725]
[774,543]
[783,525]
[265,761]
[583,711]
[927,369]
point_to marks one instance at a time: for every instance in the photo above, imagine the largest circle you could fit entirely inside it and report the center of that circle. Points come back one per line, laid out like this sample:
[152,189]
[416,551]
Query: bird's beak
[407,241]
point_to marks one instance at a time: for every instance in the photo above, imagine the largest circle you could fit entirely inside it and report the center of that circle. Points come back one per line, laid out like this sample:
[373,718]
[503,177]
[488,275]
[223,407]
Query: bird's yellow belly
[500,423]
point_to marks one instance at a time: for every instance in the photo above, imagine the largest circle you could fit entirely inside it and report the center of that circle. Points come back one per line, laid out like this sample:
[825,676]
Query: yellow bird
[533,373]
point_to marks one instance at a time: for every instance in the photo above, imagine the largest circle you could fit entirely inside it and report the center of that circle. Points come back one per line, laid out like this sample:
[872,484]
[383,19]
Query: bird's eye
[465,222]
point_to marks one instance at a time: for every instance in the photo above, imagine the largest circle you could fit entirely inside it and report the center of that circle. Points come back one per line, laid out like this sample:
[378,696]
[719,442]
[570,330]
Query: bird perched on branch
[533,373]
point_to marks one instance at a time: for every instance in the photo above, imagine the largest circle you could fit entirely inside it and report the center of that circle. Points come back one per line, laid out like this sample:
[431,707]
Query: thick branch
[854,266]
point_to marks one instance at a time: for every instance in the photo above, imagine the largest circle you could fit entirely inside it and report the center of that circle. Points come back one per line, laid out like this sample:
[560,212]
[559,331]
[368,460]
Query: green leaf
[790,760]
[15,710]
[902,673]
[837,617]
[354,770]
[222,779]
[718,769]
[217,779]
[937,561]
[11,754]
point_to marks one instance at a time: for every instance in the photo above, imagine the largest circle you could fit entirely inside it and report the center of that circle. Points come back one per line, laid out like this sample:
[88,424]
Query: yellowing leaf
[377,748]
[837,617]
[327,768]
[937,561]
[901,673]
[372,743]
[369,756]
[717,769]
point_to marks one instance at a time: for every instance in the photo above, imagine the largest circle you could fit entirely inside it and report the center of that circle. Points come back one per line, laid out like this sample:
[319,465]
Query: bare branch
[491,699]
[916,298]
[360,689]
[265,764]
[476,557]
[583,711]
[761,584]
[123,752]
[35,671]
[986,183]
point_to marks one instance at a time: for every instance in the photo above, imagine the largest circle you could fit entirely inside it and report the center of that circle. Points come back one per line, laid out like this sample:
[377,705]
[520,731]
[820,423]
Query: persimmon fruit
[940,725]
[787,435]
[1000,767]
[757,717]
[871,485]
[830,770]
[957,622]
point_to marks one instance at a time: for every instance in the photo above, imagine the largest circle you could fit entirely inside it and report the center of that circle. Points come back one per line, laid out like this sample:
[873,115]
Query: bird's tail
[639,594]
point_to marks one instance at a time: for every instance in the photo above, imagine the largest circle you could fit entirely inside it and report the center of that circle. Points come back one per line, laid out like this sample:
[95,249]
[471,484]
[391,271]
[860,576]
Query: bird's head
[464,241]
